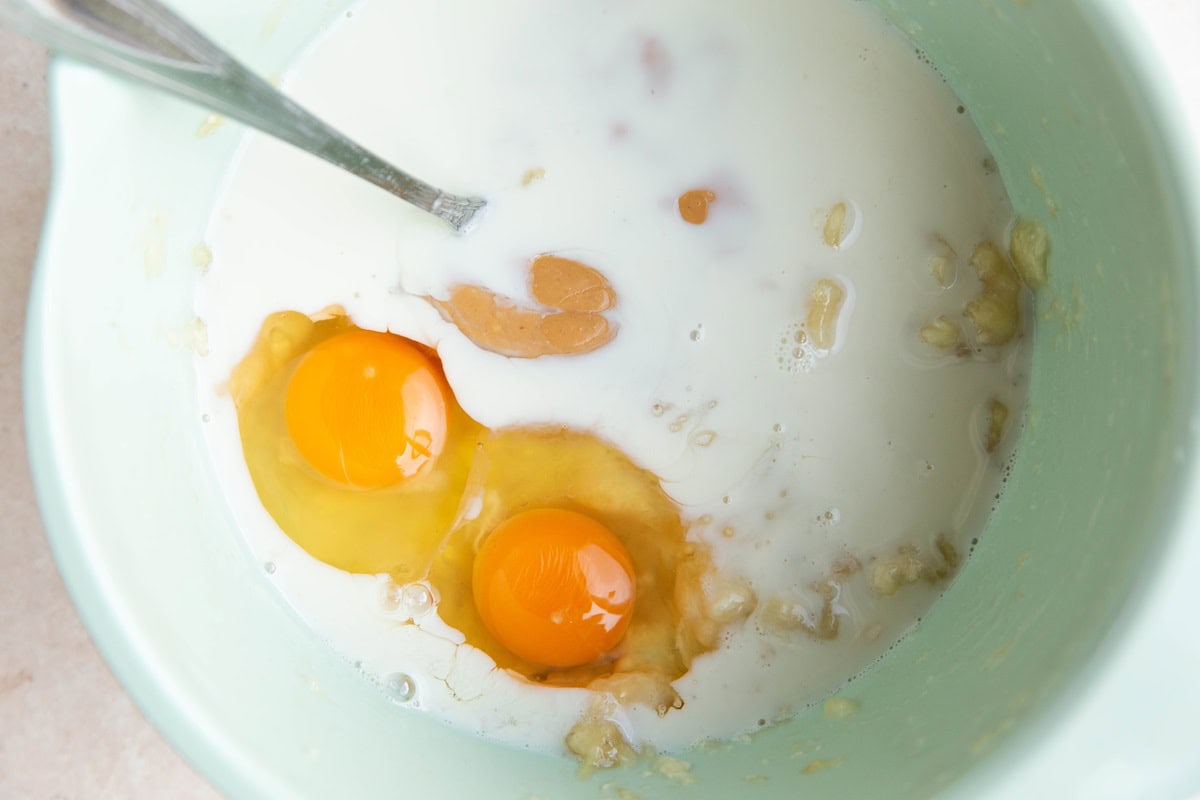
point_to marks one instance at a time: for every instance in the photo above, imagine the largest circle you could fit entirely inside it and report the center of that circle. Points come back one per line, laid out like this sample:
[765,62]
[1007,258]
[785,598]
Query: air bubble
[408,601]
[392,596]
[401,687]
[795,354]
[830,517]
[269,567]
[416,599]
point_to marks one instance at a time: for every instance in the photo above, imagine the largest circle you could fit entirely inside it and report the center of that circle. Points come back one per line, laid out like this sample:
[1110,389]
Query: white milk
[784,109]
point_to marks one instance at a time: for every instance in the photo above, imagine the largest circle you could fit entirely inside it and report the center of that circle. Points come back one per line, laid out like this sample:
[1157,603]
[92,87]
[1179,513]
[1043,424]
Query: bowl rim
[1114,23]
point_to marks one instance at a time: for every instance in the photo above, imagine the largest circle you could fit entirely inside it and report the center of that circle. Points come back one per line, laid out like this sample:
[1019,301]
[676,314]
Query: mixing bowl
[1102,489]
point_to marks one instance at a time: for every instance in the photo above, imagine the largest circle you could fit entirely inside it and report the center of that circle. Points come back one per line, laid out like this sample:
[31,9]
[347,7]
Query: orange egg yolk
[554,587]
[367,409]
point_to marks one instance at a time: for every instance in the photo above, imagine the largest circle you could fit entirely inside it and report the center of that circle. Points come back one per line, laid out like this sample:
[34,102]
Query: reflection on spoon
[145,41]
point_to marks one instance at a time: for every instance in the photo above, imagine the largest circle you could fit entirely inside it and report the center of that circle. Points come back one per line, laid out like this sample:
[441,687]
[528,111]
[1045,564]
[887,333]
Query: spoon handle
[146,41]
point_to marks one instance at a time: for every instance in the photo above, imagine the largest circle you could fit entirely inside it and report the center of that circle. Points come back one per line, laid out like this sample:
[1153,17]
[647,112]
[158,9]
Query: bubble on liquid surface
[795,353]
[391,596]
[400,687]
[416,599]
[408,601]
[829,518]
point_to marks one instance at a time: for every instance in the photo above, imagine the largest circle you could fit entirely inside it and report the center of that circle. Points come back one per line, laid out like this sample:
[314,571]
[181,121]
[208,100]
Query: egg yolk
[367,409]
[554,587]
[560,591]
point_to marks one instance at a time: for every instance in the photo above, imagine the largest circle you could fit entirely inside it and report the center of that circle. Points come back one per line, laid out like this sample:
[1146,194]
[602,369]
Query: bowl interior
[213,655]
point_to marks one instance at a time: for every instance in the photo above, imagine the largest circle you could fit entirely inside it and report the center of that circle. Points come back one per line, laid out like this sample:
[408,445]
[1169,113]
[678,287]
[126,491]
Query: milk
[787,460]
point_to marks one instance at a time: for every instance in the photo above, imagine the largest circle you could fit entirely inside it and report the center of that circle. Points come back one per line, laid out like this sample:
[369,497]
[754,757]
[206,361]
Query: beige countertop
[67,730]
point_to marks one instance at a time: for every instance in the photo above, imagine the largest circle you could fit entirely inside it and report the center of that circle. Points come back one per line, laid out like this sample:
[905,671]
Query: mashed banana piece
[997,422]
[996,312]
[597,741]
[835,226]
[909,566]
[826,305]
[943,333]
[1029,247]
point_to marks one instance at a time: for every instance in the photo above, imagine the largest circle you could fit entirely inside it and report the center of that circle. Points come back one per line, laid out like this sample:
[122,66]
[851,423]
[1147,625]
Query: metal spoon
[144,40]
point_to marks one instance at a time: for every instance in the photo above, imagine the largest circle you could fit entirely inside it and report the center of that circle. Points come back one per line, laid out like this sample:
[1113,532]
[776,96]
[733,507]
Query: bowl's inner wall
[218,661]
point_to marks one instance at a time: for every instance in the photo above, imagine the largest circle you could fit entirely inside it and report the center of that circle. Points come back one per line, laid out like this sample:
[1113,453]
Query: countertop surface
[67,729]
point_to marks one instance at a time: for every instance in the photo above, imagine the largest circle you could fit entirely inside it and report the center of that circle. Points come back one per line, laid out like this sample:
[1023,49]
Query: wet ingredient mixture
[698,421]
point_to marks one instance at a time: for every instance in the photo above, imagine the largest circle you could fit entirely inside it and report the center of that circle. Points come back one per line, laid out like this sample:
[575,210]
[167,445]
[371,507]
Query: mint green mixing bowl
[1105,477]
